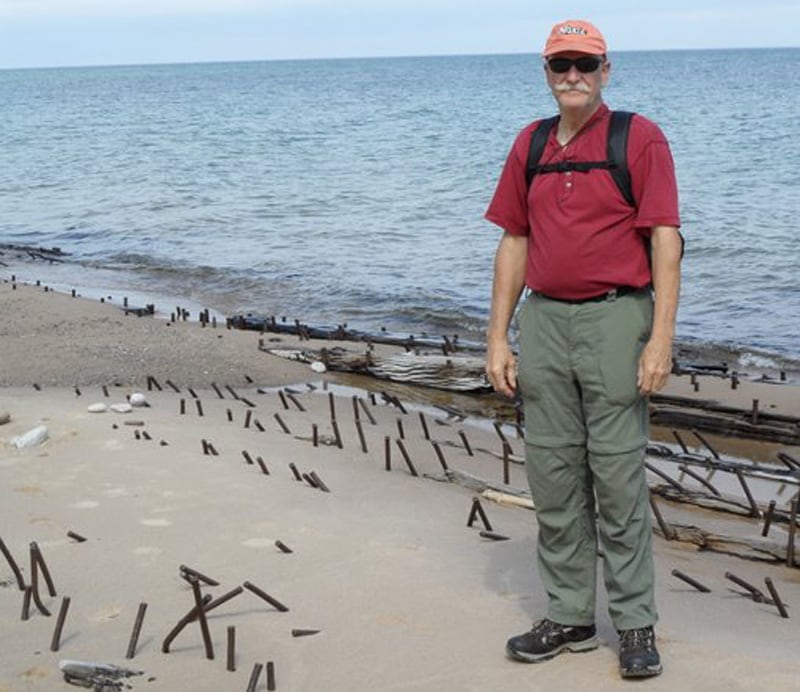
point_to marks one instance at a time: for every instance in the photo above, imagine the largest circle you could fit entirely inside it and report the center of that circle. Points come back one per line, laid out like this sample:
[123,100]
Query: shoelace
[643,636]
[545,627]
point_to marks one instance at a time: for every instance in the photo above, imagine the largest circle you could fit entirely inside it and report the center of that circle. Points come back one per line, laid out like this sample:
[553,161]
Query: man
[595,340]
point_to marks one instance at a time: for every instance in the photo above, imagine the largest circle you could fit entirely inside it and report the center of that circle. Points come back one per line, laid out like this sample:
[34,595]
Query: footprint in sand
[257,542]
[155,522]
[85,504]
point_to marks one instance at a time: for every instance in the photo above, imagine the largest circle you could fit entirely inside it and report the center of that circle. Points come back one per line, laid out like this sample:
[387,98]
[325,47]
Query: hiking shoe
[638,656]
[548,639]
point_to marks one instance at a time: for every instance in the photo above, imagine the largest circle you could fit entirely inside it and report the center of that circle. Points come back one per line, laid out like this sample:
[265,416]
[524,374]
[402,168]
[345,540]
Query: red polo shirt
[583,238]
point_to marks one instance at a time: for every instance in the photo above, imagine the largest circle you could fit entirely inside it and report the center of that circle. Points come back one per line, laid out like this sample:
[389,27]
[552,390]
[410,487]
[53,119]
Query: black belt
[608,295]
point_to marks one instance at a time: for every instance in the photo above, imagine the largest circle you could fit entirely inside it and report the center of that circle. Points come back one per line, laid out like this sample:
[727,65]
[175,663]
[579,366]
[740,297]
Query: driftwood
[457,373]
[750,548]
[733,425]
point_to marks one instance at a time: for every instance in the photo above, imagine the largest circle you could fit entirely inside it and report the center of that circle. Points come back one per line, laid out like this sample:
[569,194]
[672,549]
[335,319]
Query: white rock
[137,399]
[318,366]
[121,408]
[32,438]
[97,408]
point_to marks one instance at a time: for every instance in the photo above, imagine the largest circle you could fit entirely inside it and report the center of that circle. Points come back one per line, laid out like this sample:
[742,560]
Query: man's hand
[501,368]
[655,365]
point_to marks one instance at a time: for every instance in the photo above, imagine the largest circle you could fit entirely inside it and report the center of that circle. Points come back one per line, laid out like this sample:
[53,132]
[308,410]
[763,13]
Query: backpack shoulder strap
[538,141]
[617,153]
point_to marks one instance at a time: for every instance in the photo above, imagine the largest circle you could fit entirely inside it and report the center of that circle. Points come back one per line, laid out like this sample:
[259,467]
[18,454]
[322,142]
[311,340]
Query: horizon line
[366,57]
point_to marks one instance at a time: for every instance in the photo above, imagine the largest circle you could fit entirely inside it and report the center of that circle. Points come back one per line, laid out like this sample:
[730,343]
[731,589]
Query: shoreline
[749,361]
[403,593]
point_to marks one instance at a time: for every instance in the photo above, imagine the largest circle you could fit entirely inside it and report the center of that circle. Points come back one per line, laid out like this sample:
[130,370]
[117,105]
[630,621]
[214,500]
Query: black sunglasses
[585,64]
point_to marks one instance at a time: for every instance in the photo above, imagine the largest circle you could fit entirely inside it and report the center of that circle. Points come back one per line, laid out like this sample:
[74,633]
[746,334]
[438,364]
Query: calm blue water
[353,190]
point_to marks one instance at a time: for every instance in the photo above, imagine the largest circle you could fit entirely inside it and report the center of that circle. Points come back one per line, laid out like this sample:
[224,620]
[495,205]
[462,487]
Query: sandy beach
[386,587]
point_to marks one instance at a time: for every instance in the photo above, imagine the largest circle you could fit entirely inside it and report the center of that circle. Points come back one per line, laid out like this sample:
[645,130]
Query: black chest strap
[616,162]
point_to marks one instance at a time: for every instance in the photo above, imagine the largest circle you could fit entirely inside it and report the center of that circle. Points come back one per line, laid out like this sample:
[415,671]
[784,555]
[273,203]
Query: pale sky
[39,33]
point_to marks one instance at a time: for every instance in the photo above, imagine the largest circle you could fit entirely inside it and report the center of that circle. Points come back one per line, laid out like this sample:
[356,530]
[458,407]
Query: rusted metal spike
[137,628]
[689,580]
[776,597]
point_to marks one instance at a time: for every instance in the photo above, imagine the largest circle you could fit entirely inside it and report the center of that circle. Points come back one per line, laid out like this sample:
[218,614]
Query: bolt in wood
[706,444]
[137,628]
[303,632]
[192,393]
[336,435]
[257,424]
[477,511]
[400,432]
[366,410]
[356,410]
[36,555]
[173,386]
[262,466]
[209,604]
[265,596]
[665,476]
[493,536]
[680,441]
[297,475]
[270,675]
[689,580]
[254,676]
[755,593]
[26,603]
[440,456]
[792,530]
[685,469]
[332,405]
[425,432]
[310,480]
[465,442]
[754,511]
[217,390]
[185,620]
[665,530]
[13,564]
[315,434]
[247,416]
[105,391]
[55,643]
[776,599]
[295,401]
[498,428]
[754,412]
[188,572]
[233,392]
[406,458]
[199,405]
[231,658]
[283,425]
[247,456]
[229,413]
[201,617]
[506,462]
[324,488]
[768,518]
[283,547]
[387,453]
[76,537]
[183,407]
[282,397]
[362,440]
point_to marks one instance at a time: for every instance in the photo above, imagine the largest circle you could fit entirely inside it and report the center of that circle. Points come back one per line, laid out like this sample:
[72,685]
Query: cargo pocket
[527,366]
[626,331]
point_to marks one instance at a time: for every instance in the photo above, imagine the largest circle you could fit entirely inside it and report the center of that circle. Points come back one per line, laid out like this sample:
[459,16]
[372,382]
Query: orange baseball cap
[575,35]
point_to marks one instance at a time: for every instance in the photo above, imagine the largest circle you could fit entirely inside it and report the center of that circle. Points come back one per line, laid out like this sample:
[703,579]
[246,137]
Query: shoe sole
[571,647]
[648,672]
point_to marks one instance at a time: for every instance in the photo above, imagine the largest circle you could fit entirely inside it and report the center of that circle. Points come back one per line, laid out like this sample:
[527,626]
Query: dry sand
[405,596]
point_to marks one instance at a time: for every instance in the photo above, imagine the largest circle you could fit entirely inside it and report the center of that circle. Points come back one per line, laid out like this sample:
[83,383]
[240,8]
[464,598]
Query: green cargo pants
[585,435]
